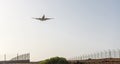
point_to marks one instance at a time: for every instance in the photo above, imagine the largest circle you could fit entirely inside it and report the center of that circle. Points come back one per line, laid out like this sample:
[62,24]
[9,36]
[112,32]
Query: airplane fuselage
[43,18]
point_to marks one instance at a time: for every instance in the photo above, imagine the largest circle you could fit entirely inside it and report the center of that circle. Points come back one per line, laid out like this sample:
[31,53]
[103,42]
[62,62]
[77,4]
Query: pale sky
[79,27]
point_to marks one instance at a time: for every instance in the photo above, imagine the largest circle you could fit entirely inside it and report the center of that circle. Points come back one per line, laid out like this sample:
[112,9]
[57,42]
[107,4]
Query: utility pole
[17,57]
[4,57]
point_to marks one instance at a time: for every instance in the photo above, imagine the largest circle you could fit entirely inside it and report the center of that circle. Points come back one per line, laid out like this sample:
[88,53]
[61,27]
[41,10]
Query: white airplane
[43,18]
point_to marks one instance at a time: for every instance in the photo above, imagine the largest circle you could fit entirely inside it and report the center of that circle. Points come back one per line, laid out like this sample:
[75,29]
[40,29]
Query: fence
[17,57]
[99,55]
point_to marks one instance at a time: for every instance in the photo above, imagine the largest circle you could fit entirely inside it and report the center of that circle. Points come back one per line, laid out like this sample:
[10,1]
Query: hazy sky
[79,27]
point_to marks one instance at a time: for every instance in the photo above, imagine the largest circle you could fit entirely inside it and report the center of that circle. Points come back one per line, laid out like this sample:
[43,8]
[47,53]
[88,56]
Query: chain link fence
[99,55]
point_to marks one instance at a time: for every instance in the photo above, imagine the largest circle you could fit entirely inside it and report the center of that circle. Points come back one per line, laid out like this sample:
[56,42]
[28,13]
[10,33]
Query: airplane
[43,18]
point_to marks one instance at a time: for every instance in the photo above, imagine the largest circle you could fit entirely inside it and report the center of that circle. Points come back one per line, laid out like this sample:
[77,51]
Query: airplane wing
[37,18]
[48,18]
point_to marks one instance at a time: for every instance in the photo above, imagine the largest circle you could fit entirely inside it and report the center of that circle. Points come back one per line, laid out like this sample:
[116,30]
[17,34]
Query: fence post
[109,54]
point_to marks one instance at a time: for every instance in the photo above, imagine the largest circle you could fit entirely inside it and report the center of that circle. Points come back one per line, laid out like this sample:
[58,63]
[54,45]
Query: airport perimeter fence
[99,55]
[25,56]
